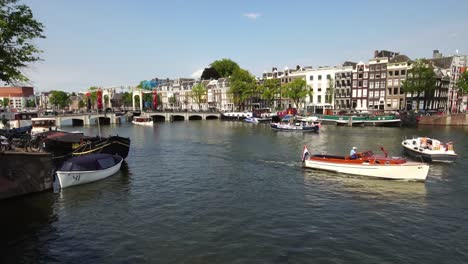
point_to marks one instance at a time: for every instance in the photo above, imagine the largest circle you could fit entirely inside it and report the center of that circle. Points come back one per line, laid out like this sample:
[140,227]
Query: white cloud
[252,16]
[197,73]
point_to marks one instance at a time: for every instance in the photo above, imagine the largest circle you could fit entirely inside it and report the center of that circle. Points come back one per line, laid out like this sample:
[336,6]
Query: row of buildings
[363,86]
[375,85]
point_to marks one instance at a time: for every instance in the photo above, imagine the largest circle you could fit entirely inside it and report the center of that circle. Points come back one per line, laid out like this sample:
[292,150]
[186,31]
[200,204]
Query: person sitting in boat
[352,153]
[423,141]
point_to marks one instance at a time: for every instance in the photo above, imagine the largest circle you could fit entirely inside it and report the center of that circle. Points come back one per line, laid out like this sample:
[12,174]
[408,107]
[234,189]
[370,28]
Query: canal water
[231,192]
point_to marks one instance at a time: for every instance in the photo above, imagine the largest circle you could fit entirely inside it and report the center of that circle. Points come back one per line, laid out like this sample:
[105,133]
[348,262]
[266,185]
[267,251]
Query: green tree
[270,89]
[330,91]
[17,30]
[93,95]
[421,79]
[296,90]
[127,99]
[6,102]
[59,99]
[172,100]
[30,103]
[225,67]
[242,85]
[81,104]
[106,100]
[198,94]
[462,83]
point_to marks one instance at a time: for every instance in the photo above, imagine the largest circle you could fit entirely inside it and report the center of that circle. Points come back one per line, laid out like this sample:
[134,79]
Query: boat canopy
[90,162]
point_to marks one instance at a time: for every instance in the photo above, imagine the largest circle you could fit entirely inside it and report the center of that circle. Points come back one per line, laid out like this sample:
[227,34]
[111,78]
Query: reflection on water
[366,187]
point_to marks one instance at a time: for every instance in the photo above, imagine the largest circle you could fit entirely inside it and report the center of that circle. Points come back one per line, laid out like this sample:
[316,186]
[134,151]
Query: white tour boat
[143,120]
[429,149]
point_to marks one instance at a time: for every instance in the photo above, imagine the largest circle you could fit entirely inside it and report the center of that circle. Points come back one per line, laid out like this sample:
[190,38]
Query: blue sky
[116,42]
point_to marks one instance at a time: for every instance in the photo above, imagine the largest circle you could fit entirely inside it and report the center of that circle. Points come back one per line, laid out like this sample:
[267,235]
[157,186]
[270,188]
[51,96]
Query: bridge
[182,116]
[112,118]
[86,119]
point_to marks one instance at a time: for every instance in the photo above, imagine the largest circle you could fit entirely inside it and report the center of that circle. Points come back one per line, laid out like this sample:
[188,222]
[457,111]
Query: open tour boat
[143,120]
[429,149]
[292,123]
[368,164]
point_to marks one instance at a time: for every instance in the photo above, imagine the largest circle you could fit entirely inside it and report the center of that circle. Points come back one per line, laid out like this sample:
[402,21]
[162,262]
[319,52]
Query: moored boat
[142,120]
[291,123]
[88,168]
[429,149]
[368,164]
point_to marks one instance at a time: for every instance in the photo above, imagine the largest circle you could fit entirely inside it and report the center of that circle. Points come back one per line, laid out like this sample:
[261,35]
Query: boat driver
[352,153]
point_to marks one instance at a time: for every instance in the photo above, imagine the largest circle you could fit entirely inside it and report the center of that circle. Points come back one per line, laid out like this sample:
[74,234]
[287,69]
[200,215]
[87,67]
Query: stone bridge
[87,119]
[182,116]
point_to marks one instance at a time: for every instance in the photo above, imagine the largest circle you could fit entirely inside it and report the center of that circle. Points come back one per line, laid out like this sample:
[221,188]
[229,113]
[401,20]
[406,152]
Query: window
[377,75]
[354,84]
[382,94]
[364,92]
[319,98]
[372,67]
[354,75]
[389,82]
[366,75]
[328,77]
[395,91]
[359,93]
[371,94]
[403,72]
[371,85]
[389,91]
[390,73]
[371,76]
[384,75]
[360,83]
[397,73]
[377,67]
[364,84]
[319,89]
[396,82]
[382,84]
[360,75]
[311,78]
[384,67]
[377,85]
[320,77]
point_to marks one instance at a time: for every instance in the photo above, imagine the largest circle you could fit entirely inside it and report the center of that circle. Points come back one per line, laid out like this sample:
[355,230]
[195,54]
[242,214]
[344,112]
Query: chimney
[376,53]
[435,54]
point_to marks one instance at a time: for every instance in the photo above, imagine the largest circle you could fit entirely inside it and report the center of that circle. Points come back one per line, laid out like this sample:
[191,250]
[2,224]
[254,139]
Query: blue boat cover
[90,162]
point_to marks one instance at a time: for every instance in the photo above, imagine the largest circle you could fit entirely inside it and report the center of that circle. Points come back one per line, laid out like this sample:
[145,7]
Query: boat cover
[90,162]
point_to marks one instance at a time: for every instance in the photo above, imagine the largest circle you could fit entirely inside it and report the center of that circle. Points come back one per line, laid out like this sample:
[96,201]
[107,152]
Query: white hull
[410,171]
[149,123]
[436,152]
[72,178]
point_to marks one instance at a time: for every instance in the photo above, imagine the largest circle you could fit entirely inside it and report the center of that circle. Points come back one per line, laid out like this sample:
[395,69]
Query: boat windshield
[43,123]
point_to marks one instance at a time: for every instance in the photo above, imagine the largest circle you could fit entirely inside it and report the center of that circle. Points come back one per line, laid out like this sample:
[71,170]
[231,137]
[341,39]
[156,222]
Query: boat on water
[89,168]
[367,164]
[142,120]
[293,123]
[46,124]
[429,149]
[362,120]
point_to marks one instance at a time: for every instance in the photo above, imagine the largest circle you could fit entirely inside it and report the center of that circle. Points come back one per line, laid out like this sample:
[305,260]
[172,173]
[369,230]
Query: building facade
[17,96]
[343,85]
[397,70]
[377,83]
[360,87]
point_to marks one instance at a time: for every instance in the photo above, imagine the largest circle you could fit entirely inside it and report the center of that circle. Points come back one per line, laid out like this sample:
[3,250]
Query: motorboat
[291,123]
[253,120]
[429,149]
[368,164]
[87,168]
[142,120]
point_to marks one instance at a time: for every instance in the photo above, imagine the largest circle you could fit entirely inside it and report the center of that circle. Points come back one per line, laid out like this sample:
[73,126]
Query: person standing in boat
[352,153]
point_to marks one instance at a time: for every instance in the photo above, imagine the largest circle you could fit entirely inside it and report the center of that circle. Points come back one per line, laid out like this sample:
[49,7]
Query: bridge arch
[178,118]
[195,117]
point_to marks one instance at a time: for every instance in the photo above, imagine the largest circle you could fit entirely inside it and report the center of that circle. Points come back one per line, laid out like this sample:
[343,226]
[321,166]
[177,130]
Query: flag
[305,153]
[155,99]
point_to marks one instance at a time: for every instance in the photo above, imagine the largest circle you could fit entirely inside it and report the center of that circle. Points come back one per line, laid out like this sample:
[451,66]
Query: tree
[81,104]
[269,90]
[421,79]
[198,94]
[462,83]
[225,67]
[73,94]
[330,91]
[296,90]
[210,73]
[242,85]
[106,100]
[127,99]
[30,103]
[59,99]
[17,30]
[6,102]
[93,95]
